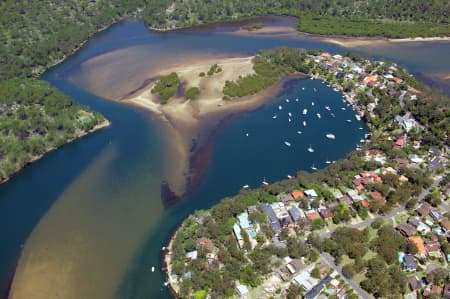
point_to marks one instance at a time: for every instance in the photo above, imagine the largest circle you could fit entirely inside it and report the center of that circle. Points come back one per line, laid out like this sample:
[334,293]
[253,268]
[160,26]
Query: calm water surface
[88,218]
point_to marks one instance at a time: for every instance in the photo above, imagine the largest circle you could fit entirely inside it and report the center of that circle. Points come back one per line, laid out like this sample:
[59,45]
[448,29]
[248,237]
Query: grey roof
[409,261]
[295,213]
[315,291]
[271,217]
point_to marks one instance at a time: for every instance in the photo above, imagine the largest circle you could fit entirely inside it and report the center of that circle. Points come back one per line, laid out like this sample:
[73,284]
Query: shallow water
[90,214]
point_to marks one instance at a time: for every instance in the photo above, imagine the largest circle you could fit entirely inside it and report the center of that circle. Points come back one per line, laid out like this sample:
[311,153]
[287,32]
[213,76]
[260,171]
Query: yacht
[246,134]
[313,167]
[265,182]
[287,100]
[303,88]
[342,108]
[287,143]
[361,128]
[245,187]
[305,111]
[289,176]
[312,103]
[318,115]
[332,114]
[290,120]
[299,132]
[328,162]
[274,117]
[153,269]
[296,99]
[348,120]
[358,117]
[328,108]
[304,123]
[330,136]
[310,149]
[290,114]
[280,107]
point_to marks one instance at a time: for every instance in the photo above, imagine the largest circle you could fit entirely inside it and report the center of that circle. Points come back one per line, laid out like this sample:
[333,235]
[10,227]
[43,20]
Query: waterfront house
[297,195]
[405,121]
[311,194]
[192,255]
[409,263]
[285,198]
[244,222]
[285,219]
[271,217]
[238,236]
[305,281]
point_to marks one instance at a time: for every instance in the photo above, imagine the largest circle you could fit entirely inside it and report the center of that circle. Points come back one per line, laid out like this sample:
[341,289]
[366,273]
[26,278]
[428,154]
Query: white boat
[313,167]
[289,176]
[330,136]
[315,90]
[280,107]
[274,117]
[296,99]
[332,114]
[342,108]
[153,269]
[328,108]
[303,88]
[290,119]
[290,114]
[312,103]
[362,140]
[287,100]
[310,149]
[305,111]
[245,187]
[299,132]
[348,120]
[265,182]
[304,123]
[328,162]
[287,143]
[361,128]
[318,115]
[163,248]
[166,283]
[246,134]
[358,117]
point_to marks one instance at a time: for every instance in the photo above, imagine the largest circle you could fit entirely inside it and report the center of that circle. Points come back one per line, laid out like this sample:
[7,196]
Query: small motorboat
[312,103]
[304,123]
[328,162]
[274,117]
[305,111]
[245,187]
[290,114]
[290,119]
[318,115]
[327,108]
[153,269]
[348,120]
[299,132]
[313,167]
[310,149]
[287,143]
[280,107]
[330,136]
[287,100]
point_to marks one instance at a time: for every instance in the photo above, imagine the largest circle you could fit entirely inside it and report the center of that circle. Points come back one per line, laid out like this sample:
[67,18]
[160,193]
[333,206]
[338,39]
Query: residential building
[409,263]
[271,217]
[406,229]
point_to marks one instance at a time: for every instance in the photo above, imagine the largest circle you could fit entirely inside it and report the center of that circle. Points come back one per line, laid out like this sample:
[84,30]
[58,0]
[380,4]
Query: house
[285,220]
[434,291]
[346,199]
[397,80]
[304,280]
[326,214]
[312,215]
[315,291]
[271,217]
[434,151]
[433,248]
[447,291]
[423,209]
[206,243]
[414,283]
[244,222]
[445,225]
[401,162]
[238,236]
[297,195]
[406,229]
[436,165]
[325,55]
[252,209]
[364,203]
[375,195]
[276,241]
[405,121]
[414,221]
[295,266]
[409,263]
[423,228]
[241,290]
[415,158]
[311,194]
[285,198]
[400,142]
[436,215]
[192,255]
[417,240]
[296,213]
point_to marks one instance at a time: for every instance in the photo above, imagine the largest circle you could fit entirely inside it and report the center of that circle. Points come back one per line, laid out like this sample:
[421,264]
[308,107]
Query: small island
[365,226]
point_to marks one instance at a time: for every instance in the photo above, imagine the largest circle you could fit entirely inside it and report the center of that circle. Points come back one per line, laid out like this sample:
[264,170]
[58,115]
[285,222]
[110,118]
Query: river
[87,221]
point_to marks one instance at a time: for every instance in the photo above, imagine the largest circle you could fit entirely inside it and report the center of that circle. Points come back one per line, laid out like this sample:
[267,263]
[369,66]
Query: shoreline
[102,125]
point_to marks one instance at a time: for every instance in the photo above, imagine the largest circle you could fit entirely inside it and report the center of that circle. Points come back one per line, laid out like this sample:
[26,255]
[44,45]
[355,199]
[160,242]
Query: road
[355,286]
[361,225]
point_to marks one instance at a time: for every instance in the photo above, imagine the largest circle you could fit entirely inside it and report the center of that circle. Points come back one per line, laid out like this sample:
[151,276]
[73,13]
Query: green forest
[35,118]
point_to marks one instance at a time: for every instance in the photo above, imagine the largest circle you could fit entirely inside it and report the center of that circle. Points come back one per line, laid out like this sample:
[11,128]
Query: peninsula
[366,225]
[190,120]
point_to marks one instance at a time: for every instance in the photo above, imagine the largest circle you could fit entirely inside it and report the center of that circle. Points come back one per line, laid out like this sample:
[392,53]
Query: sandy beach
[190,123]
